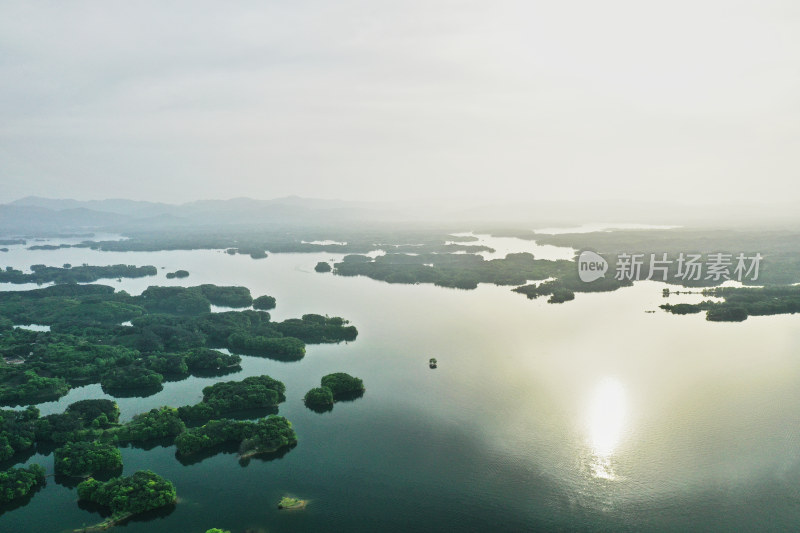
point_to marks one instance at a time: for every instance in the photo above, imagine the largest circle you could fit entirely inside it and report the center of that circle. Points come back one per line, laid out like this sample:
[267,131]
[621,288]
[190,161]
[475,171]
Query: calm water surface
[589,415]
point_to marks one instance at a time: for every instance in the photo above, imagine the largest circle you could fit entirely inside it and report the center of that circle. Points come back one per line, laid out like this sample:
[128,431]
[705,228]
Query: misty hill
[37,215]
[16,219]
[34,214]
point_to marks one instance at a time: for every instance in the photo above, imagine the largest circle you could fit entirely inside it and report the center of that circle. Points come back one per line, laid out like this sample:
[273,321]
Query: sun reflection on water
[606,417]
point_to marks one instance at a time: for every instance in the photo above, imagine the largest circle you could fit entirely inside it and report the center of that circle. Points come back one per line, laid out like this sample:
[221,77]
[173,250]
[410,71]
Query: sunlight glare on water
[606,419]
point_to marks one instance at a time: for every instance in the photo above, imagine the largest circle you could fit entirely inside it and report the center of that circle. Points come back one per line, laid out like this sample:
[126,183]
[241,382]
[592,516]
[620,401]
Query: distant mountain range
[35,215]
[42,215]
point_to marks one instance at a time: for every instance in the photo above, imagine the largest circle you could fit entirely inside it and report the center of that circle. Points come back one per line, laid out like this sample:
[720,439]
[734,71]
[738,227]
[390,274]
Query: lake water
[588,415]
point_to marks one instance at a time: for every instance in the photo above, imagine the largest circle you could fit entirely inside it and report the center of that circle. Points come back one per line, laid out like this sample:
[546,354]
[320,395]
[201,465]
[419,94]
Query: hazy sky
[365,100]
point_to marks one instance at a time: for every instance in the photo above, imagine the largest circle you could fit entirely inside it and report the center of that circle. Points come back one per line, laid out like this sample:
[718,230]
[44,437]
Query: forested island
[172,334]
[179,274]
[741,302]
[128,496]
[335,387]
[264,303]
[256,242]
[465,271]
[230,396]
[20,482]
[266,435]
[75,274]
[88,432]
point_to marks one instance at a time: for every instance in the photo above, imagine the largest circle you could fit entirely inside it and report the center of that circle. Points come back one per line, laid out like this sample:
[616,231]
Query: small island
[264,303]
[319,398]
[343,386]
[741,302]
[289,503]
[78,274]
[265,435]
[19,482]
[128,496]
[178,274]
[432,362]
[159,423]
[322,266]
[222,398]
[333,388]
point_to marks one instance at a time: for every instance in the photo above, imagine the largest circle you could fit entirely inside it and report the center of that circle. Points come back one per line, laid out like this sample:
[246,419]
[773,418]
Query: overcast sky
[373,100]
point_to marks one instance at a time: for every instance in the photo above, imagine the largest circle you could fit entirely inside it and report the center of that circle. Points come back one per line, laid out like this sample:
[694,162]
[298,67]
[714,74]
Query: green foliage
[82,420]
[60,428]
[563,288]
[178,274]
[282,239]
[27,387]
[219,326]
[225,397]
[462,271]
[80,274]
[264,435]
[319,397]
[561,295]
[175,300]
[17,431]
[170,334]
[342,385]
[288,502]
[334,387]
[106,411]
[323,266]
[18,482]
[76,359]
[130,377]
[284,348]
[682,309]
[740,302]
[167,364]
[134,494]
[760,301]
[264,303]
[158,333]
[81,458]
[227,296]
[317,329]
[67,305]
[155,424]
[206,360]
[726,314]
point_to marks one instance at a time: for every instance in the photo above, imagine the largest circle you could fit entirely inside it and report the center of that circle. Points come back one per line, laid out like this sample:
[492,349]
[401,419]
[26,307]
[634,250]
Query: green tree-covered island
[172,333]
[128,496]
[334,387]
